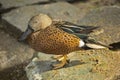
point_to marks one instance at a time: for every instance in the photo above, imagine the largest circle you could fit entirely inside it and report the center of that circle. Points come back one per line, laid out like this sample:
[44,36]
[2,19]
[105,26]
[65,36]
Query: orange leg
[62,60]
[58,57]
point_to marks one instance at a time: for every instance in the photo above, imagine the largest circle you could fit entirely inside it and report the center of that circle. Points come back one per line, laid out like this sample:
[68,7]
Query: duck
[56,37]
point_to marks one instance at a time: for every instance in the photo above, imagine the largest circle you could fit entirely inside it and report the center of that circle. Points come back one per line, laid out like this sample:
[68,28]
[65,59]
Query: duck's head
[36,23]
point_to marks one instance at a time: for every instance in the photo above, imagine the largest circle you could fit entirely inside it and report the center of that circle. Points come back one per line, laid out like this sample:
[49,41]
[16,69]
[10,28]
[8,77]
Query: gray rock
[17,3]
[12,52]
[106,2]
[18,19]
[14,56]
[108,20]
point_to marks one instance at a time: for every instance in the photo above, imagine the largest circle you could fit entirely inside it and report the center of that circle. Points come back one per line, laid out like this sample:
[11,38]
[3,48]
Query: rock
[17,20]
[12,52]
[84,65]
[18,3]
[106,2]
[14,56]
[108,20]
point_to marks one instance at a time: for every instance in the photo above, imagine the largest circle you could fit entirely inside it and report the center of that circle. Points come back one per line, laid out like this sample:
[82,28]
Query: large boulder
[84,65]
[108,20]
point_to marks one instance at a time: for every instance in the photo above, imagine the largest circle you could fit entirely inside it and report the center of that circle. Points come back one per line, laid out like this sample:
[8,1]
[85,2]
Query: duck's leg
[57,57]
[62,60]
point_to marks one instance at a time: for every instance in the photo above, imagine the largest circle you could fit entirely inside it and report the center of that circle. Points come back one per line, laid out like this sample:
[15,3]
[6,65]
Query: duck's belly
[56,43]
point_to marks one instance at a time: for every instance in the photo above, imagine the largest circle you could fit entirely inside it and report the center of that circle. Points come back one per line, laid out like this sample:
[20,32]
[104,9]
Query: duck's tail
[91,43]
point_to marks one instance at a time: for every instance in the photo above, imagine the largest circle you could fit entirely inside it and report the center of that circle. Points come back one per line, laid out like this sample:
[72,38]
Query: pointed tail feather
[95,45]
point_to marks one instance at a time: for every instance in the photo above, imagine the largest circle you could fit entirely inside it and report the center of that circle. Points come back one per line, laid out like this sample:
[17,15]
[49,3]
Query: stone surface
[12,52]
[18,19]
[18,3]
[14,56]
[84,65]
[105,2]
[108,20]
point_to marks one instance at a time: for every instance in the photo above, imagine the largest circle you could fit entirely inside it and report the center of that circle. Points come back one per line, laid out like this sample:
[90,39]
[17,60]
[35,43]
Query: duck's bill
[25,34]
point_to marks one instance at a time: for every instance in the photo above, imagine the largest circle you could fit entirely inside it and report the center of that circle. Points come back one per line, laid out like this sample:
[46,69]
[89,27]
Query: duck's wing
[82,32]
[78,30]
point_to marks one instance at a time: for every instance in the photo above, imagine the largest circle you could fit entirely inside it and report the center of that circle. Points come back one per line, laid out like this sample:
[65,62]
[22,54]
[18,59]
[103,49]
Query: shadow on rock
[14,73]
[116,46]
[44,66]
[76,1]
[74,63]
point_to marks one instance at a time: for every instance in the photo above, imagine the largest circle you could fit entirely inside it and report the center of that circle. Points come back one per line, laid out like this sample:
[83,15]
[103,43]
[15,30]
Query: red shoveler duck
[57,37]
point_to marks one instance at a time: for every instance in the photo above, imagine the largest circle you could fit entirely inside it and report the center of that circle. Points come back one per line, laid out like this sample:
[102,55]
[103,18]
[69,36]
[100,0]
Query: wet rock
[18,3]
[17,20]
[108,20]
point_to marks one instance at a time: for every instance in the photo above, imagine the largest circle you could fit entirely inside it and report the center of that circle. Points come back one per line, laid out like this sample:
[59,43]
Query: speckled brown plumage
[53,40]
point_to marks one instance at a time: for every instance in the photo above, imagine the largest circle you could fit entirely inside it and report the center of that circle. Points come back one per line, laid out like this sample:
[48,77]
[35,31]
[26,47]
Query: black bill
[25,34]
